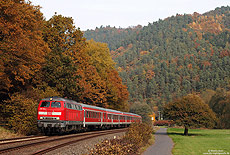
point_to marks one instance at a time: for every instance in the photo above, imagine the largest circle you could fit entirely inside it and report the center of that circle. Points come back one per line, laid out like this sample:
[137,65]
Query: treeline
[219,102]
[172,57]
[114,37]
[41,58]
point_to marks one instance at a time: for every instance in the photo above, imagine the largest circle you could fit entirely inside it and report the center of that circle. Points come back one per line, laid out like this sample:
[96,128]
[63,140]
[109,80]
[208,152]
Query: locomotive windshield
[45,104]
[56,105]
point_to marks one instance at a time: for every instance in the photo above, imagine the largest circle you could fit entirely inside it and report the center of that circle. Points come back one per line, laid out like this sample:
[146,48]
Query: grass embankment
[200,141]
[5,134]
[151,142]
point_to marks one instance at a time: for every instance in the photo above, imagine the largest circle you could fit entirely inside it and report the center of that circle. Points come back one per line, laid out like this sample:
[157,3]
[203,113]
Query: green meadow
[200,141]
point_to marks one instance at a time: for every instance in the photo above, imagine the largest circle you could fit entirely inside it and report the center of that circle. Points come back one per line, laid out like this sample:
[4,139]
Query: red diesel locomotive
[56,114]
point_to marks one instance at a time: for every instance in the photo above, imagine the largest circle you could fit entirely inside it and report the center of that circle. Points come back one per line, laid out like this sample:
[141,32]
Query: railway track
[51,143]
[20,139]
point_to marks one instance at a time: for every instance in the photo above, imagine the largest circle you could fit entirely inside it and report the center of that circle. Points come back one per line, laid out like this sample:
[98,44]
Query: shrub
[114,146]
[20,110]
[22,114]
[163,123]
[137,136]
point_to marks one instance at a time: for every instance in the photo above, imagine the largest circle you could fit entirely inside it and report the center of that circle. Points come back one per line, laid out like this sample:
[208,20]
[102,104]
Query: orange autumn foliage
[22,48]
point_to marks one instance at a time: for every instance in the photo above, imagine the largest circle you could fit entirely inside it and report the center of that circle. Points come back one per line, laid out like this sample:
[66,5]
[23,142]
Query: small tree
[190,111]
[143,110]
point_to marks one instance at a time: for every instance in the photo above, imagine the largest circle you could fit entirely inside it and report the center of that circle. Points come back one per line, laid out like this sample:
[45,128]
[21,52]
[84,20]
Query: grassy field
[200,141]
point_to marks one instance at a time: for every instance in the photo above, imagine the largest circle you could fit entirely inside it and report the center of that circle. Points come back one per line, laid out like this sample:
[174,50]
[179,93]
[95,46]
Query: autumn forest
[120,68]
[171,58]
[42,58]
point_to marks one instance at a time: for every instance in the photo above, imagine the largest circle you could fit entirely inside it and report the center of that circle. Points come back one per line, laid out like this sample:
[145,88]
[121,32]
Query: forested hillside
[172,57]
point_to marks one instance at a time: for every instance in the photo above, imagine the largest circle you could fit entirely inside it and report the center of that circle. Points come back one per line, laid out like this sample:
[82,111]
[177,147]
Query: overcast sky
[89,14]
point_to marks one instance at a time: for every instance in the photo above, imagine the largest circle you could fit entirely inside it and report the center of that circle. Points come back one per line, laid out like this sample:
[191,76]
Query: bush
[22,114]
[136,137]
[20,110]
[163,123]
[114,146]
[143,110]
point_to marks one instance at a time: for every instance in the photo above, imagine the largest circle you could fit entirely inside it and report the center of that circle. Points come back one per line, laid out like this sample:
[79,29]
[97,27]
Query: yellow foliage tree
[116,93]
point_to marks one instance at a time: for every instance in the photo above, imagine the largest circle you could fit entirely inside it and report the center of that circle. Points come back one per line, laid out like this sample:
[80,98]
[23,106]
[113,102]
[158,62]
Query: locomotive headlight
[42,113]
[58,118]
[41,117]
[56,113]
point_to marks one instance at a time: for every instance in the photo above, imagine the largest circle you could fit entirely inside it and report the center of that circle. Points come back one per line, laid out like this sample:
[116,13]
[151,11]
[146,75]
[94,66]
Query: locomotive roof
[56,98]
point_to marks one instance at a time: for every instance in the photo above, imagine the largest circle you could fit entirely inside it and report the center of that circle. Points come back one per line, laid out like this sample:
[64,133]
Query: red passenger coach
[56,114]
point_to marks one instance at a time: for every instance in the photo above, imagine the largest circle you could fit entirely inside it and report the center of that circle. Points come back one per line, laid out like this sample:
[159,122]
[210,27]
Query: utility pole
[159,116]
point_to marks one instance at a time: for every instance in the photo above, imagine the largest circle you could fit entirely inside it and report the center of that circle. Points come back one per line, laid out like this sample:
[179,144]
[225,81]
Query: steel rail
[72,142]
[21,139]
[57,139]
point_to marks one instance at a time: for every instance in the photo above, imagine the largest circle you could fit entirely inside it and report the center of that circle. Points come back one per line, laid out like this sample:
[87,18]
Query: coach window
[56,105]
[109,116]
[87,114]
[115,117]
[45,104]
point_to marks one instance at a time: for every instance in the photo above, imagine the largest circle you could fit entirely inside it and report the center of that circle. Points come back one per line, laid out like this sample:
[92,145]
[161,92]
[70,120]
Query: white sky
[89,14]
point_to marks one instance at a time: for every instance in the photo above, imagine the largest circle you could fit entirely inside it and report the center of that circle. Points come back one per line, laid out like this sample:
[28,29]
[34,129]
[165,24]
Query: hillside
[171,57]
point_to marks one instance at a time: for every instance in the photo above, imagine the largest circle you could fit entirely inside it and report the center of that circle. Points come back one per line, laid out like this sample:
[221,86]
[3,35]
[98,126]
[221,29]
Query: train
[61,115]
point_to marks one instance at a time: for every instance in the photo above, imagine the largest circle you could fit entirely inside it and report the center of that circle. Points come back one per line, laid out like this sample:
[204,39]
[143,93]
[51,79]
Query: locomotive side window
[69,106]
[56,105]
[79,107]
[45,104]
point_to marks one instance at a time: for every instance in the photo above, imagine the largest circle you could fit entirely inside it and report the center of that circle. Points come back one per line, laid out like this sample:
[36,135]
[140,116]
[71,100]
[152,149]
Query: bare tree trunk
[186,131]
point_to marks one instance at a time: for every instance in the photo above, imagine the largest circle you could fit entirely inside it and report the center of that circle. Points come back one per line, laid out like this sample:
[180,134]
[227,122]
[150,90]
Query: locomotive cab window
[56,104]
[45,104]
